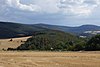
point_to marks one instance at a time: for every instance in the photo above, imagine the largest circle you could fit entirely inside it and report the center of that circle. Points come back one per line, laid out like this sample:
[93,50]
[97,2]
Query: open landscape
[49,59]
[49,33]
[45,58]
[49,48]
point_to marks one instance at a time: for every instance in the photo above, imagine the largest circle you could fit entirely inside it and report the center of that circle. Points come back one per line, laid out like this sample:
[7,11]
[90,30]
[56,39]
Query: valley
[49,33]
[57,37]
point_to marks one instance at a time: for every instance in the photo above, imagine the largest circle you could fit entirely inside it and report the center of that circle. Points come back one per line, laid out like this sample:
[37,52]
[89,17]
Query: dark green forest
[53,40]
[49,40]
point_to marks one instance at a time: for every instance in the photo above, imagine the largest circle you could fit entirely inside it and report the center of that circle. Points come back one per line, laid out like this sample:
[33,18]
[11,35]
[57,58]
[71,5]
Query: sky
[55,12]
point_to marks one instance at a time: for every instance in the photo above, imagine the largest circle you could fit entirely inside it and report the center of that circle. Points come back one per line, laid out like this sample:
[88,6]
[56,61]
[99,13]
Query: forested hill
[59,41]
[50,40]
[78,30]
[9,30]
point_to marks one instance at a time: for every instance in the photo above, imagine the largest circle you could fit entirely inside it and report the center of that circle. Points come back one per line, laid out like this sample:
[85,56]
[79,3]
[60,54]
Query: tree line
[59,41]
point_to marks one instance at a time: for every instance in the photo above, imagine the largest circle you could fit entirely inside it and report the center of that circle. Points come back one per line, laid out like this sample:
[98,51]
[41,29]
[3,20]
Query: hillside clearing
[6,43]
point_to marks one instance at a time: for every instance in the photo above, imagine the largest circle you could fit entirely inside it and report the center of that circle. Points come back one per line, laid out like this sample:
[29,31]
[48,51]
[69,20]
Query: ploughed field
[49,59]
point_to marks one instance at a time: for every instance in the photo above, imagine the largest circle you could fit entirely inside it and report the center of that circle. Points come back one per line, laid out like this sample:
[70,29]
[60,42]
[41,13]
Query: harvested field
[49,59]
[6,43]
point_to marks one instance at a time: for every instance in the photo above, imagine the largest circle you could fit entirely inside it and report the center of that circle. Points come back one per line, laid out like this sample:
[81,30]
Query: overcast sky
[57,12]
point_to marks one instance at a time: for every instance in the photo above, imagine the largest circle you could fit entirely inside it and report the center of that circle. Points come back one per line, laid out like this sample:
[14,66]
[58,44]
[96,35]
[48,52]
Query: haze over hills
[8,29]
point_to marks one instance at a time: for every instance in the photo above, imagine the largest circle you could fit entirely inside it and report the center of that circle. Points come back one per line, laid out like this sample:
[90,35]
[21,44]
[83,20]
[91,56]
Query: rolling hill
[49,40]
[10,30]
[75,30]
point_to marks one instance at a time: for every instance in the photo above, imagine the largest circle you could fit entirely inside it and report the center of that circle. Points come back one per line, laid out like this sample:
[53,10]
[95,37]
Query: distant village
[90,32]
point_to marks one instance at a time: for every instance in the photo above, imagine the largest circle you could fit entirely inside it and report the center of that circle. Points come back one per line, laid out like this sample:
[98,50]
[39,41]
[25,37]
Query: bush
[93,44]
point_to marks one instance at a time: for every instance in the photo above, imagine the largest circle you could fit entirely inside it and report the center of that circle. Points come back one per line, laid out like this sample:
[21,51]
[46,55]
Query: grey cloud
[18,5]
[52,11]
[78,7]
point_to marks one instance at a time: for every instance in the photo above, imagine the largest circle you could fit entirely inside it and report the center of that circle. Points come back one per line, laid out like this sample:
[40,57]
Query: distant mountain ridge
[9,29]
[75,30]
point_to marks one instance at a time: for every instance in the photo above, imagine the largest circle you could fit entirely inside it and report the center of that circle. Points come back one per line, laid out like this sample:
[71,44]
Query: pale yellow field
[6,43]
[49,59]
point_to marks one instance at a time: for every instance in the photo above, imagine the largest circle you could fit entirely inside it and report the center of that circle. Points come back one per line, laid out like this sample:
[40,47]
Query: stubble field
[49,59]
[6,43]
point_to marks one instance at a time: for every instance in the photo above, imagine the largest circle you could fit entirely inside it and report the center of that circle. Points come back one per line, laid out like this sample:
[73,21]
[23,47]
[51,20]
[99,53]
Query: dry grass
[6,43]
[49,59]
